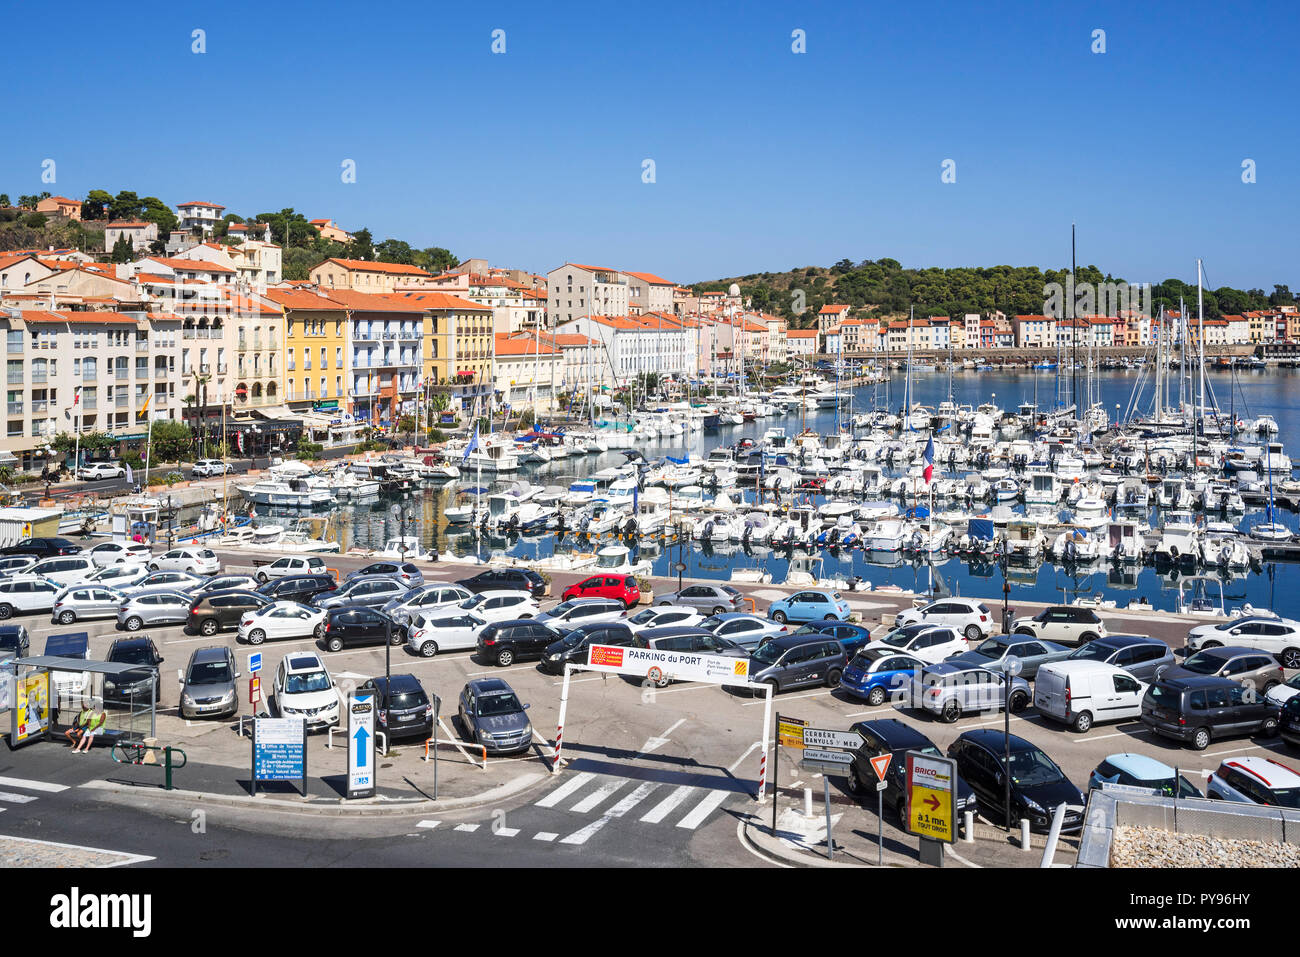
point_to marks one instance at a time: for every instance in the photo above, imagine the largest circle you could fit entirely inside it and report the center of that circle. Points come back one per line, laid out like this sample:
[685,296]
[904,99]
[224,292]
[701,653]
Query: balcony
[188,333]
[160,398]
[121,400]
[141,346]
[221,369]
[160,372]
[89,403]
[38,378]
[142,372]
[121,372]
[15,408]
[243,344]
[92,376]
[15,348]
[40,406]
[205,368]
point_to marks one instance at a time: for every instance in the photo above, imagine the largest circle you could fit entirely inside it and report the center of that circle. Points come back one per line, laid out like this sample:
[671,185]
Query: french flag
[929,460]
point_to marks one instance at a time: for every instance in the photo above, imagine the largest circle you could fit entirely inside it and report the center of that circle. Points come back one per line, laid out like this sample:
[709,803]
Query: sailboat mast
[1074,333]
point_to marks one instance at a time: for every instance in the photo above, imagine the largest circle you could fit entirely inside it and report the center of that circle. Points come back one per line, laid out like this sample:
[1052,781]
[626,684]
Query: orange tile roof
[441,300]
[213,205]
[366,265]
[46,316]
[303,300]
[506,346]
[829,310]
[189,265]
[649,277]
[800,333]
[127,224]
[590,268]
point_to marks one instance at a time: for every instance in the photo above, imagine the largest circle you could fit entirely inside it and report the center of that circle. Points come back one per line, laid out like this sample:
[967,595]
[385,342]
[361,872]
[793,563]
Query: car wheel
[1291,658]
[209,626]
[1018,702]
[429,649]
[68,617]
[1269,728]
[335,644]
[951,712]
[1083,721]
[833,678]
[262,577]
[1201,739]
[1270,685]
[1086,637]
[134,623]
[773,684]
[256,636]
[851,781]
[830,618]
[877,697]
[777,616]
[152,566]
[1211,644]
[505,657]
[1025,631]
[319,631]
[6,611]
[973,632]
[719,610]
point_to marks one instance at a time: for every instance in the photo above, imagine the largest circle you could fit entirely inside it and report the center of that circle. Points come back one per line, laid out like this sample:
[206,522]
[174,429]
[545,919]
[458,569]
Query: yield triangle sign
[881,765]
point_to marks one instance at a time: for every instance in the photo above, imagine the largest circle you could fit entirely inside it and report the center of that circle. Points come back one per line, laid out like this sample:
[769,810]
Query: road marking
[565,789]
[468,828]
[858,714]
[545,836]
[33,785]
[704,809]
[429,824]
[506,831]
[578,681]
[792,697]
[592,800]
[735,764]
[660,740]
[16,798]
[618,810]
[664,807]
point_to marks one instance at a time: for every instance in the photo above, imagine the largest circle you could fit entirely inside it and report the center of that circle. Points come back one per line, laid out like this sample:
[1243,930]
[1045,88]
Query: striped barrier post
[762,771]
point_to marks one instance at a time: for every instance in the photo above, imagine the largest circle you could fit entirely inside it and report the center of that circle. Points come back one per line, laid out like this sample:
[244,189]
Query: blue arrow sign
[361,737]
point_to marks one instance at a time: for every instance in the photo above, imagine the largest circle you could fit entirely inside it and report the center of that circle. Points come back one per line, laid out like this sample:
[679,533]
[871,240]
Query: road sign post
[880,764]
[361,745]
[826,797]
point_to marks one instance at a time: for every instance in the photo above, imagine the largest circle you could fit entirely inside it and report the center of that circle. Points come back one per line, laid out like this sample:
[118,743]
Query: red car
[620,587]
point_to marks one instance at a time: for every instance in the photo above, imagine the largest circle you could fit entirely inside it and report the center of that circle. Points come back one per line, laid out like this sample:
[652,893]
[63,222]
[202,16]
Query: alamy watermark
[1119,299]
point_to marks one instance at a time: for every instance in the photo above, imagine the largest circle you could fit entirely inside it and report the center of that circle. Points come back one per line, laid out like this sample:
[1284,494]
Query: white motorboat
[885,535]
[292,493]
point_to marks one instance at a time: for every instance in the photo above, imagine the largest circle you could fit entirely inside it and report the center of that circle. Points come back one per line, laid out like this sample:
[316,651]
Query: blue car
[1138,770]
[875,674]
[851,636]
[810,606]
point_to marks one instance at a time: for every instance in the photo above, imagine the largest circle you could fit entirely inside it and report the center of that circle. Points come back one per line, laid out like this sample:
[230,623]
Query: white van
[1079,693]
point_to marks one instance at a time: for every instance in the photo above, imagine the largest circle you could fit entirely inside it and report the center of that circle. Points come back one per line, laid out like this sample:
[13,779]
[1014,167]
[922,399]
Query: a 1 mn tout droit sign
[655,665]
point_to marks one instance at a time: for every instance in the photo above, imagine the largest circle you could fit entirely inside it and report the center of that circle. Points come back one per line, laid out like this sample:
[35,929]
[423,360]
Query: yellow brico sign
[931,797]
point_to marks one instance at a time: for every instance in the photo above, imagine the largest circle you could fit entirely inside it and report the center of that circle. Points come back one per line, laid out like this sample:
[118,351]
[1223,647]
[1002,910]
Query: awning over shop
[277,412]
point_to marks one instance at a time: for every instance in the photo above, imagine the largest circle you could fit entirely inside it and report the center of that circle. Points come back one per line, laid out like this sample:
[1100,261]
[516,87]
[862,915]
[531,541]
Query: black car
[347,626]
[572,647]
[223,583]
[42,547]
[1038,786]
[504,642]
[135,686]
[893,737]
[221,611]
[14,642]
[1196,709]
[402,709]
[519,579]
[299,588]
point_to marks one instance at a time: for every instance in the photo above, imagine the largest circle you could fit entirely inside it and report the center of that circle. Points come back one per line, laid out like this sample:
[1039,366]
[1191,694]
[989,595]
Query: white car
[118,553]
[1277,636]
[581,611]
[1280,694]
[501,605]
[211,467]
[431,600]
[15,564]
[929,642]
[661,616]
[64,569]
[100,470]
[292,565]
[304,689]
[20,594]
[194,559]
[169,581]
[282,619]
[429,636]
[1064,624]
[969,616]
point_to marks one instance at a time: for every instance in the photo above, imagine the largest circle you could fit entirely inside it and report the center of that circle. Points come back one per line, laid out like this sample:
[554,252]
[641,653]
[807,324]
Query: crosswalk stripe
[565,789]
[703,809]
[661,810]
[618,810]
[16,798]
[33,785]
[469,828]
[597,796]
[506,831]
[429,824]
[539,836]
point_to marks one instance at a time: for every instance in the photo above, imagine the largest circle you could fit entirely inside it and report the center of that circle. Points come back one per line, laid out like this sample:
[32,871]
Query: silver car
[164,580]
[427,600]
[153,608]
[120,577]
[208,684]
[710,598]
[86,601]
[374,592]
[491,715]
[950,691]
[16,564]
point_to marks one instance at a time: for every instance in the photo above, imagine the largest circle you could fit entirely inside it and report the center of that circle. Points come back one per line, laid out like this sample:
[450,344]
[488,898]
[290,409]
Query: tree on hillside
[289,228]
[395,251]
[154,210]
[122,250]
[93,206]
[4,199]
[1281,296]
[436,259]
[126,205]
[361,247]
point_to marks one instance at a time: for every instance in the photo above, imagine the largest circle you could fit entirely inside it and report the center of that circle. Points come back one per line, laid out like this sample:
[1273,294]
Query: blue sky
[764,159]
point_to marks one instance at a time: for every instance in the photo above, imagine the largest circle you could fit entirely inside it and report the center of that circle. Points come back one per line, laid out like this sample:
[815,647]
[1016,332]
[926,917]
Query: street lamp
[1011,666]
[403,515]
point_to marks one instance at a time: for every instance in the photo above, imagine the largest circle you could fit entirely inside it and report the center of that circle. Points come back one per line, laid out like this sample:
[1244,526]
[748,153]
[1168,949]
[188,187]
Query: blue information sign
[280,750]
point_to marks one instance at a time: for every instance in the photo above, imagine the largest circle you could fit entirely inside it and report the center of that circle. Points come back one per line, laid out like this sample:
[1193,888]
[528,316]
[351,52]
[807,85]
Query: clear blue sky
[764,159]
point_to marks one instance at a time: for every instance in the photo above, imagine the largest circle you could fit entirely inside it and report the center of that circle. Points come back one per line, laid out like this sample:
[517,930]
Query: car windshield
[132,655]
[502,702]
[1092,651]
[992,649]
[900,637]
[711,623]
[1286,797]
[209,672]
[1033,767]
[408,699]
[562,609]
[766,654]
[473,602]
[1166,786]
[1204,663]
[643,617]
[305,682]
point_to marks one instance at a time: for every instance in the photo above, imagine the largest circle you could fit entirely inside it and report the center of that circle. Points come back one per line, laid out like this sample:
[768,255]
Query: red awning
[465,372]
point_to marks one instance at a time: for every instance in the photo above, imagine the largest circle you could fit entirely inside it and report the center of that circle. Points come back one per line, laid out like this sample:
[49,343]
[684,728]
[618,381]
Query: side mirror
[527,706]
[180,677]
[238,675]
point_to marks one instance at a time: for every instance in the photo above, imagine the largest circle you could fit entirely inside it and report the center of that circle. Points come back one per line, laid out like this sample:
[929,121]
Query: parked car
[118,553]
[788,662]
[69,687]
[895,738]
[620,588]
[748,631]
[687,638]
[295,565]
[1079,693]
[491,715]
[1197,709]
[1064,624]
[969,617]
[97,471]
[221,611]
[1038,785]
[497,579]
[208,686]
[876,675]
[26,593]
[1289,720]
[661,616]
[504,605]
[810,605]
[929,642]
[572,646]
[15,642]
[1255,780]
[207,467]
[348,626]
[430,600]
[281,619]
[1280,637]
[1255,669]
[303,688]
[15,564]
[86,602]
[139,685]
[851,636]
[1142,657]
[402,708]
[408,573]
[210,586]
[577,611]
[152,608]
[1279,695]
[64,569]
[362,592]
[949,691]
[120,577]
[195,559]
[1140,771]
[431,634]
[171,581]
[301,588]
[42,547]
[993,653]
[505,642]
[714,599]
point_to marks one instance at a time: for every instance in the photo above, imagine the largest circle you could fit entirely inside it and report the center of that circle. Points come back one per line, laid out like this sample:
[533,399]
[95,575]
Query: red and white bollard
[762,771]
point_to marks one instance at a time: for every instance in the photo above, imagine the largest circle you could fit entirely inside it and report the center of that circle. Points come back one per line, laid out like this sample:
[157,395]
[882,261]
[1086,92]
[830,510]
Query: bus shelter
[42,695]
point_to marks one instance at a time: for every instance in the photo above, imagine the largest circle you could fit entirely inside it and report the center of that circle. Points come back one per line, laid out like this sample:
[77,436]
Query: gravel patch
[1156,847]
[25,852]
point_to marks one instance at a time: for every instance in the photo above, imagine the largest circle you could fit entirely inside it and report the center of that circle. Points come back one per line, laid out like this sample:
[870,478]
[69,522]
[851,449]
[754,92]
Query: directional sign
[931,796]
[254,662]
[279,749]
[880,765]
[789,732]
[361,745]
[827,762]
[823,738]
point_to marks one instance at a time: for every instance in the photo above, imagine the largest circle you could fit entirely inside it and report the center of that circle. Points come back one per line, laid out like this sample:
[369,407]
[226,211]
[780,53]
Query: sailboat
[1270,530]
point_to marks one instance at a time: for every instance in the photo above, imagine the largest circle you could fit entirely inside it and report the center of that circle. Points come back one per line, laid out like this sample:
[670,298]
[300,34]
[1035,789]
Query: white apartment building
[574,291]
[635,345]
[199,215]
[139,234]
